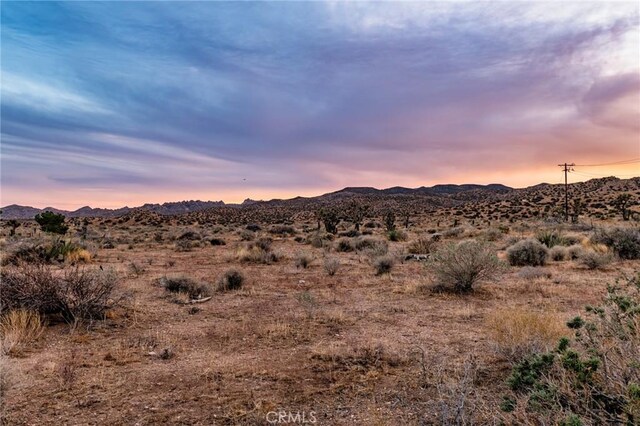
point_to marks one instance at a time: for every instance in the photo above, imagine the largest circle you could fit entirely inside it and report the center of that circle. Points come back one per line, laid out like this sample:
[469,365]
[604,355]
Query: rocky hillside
[25,212]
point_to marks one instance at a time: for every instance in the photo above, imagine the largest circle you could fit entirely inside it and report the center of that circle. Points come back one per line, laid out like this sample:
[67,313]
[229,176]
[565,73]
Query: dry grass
[517,332]
[78,256]
[18,328]
[292,338]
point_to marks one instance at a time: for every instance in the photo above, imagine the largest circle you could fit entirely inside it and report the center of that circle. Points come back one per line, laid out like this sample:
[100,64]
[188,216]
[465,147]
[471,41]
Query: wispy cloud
[140,100]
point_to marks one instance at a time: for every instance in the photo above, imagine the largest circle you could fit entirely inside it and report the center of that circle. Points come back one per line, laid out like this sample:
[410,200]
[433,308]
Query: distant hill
[444,189]
[463,200]
[15,211]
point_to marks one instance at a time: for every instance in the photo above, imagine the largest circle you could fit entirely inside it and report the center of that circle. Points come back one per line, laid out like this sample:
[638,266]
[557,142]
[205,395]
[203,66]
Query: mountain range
[15,211]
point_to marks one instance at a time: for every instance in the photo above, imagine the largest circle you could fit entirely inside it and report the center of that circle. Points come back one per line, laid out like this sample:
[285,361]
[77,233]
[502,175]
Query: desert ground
[351,328]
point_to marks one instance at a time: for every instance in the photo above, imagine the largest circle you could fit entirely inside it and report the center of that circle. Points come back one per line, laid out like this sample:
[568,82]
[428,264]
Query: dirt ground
[353,348]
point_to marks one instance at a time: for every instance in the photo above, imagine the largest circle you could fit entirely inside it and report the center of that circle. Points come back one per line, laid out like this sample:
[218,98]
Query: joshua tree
[52,222]
[622,204]
[330,218]
[390,220]
[12,224]
[577,208]
[356,213]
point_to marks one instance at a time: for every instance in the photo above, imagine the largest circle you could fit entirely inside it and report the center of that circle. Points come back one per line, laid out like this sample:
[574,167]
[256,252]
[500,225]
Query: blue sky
[112,103]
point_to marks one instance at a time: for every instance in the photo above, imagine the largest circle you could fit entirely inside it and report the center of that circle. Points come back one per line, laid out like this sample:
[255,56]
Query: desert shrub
[371,246]
[258,251]
[344,245]
[453,232]
[253,227]
[19,327]
[38,252]
[231,280]
[319,240]
[625,242]
[460,266]
[534,273]
[77,294]
[574,251]
[184,245]
[396,235]
[331,265]
[246,235]
[571,239]
[263,243]
[52,222]
[78,256]
[493,234]
[182,284]
[591,378]
[136,269]
[383,264]
[351,233]
[190,235]
[550,238]
[594,260]
[303,260]
[282,230]
[422,245]
[558,253]
[528,252]
[217,242]
[520,332]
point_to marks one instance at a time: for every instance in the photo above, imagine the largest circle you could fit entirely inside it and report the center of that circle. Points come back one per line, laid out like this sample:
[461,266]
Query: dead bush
[231,280]
[594,260]
[331,265]
[383,264]
[78,293]
[458,267]
[423,245]
[303,260]
[534,273]
[182,284]
[558,253]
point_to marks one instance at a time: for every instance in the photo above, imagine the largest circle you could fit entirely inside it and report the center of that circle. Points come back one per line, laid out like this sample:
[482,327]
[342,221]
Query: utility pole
[566,168]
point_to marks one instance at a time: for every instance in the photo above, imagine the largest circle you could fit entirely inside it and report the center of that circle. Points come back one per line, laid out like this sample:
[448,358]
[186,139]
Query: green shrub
[625,242]
[594,377]
[460,266]
[528,252]
[52,222]
[550,238]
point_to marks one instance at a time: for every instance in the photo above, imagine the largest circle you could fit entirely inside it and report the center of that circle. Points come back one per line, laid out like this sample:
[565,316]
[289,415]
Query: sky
[110,104]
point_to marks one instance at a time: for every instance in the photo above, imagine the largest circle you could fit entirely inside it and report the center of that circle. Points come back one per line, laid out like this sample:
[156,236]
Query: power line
[566,168]
[580,172]
[622,162]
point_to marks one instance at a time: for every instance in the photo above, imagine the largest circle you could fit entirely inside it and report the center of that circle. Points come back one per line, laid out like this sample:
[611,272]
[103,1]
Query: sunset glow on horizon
[110,104]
